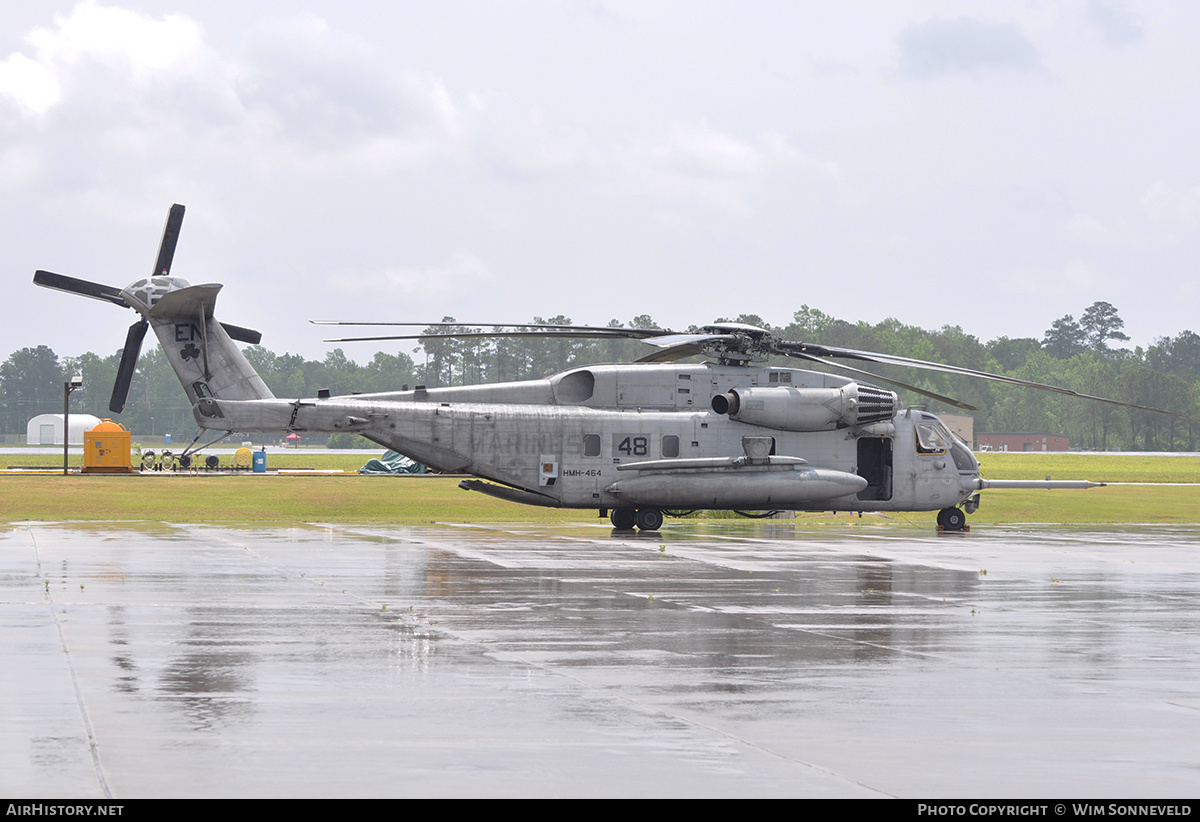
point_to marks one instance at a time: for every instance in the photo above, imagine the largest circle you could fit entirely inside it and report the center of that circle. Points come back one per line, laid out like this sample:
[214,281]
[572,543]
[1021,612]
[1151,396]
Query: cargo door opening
[875,466]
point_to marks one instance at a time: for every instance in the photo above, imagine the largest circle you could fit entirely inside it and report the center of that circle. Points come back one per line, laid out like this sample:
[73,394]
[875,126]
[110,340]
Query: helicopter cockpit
[933,437]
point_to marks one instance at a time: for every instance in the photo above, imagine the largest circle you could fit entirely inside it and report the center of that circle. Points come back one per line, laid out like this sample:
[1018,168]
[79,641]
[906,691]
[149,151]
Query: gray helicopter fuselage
[638,439]
[607,436]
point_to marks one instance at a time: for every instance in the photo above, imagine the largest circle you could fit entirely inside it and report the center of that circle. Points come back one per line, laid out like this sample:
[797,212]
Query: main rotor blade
[668,340]
[922,391]
[129,358]
[678,346]
[673,353]
[61,282]
[605,330]
[892,359]
[582,335]
[166,249]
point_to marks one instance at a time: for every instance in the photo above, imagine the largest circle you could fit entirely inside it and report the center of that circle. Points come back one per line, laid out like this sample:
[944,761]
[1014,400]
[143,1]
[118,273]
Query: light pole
[69,386]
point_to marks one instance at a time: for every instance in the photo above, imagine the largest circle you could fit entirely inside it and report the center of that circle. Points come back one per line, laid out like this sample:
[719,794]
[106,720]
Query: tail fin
[201,350]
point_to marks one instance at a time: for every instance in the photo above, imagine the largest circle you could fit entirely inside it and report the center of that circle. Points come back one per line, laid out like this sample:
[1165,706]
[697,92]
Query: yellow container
[107,449]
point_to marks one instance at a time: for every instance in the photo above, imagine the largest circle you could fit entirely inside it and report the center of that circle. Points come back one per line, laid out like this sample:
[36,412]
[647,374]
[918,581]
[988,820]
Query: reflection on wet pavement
[729,659]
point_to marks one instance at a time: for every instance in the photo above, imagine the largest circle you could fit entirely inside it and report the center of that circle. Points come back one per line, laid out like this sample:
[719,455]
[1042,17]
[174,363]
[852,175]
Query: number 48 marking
[634,446]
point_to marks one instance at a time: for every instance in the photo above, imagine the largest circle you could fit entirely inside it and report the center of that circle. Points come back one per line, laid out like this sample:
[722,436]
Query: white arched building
[47,429]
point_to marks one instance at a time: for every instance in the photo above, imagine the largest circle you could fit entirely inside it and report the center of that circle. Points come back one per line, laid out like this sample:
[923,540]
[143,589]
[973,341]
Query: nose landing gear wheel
[951,519]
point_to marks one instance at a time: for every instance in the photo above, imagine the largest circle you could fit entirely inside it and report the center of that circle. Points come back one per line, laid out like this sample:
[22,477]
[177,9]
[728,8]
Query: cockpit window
[930,439]
[964,460]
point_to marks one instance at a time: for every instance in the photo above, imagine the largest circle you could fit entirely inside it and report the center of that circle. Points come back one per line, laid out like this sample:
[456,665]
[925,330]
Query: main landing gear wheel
[951,519]
[645,519]
[649,519]
[623,519]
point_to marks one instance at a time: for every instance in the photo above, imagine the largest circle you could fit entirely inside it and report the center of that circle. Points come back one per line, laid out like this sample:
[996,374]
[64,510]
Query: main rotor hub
[733,354]
[740,344]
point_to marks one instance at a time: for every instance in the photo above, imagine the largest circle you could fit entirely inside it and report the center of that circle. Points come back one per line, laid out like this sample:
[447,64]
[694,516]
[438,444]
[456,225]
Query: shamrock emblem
[189,352]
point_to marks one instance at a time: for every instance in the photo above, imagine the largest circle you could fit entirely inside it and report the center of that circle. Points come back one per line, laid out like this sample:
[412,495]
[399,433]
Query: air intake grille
[875,404]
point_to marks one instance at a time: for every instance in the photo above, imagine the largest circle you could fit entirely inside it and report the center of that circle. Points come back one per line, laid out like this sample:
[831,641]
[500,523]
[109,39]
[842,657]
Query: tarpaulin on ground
[392,463]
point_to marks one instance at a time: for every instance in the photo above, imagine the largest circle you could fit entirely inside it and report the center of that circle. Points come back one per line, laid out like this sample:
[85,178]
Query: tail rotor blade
[166,249]
[61,282]
[129,358]
[242,334]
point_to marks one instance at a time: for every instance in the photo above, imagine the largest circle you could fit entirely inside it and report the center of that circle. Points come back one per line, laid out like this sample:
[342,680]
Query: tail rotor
[141,296]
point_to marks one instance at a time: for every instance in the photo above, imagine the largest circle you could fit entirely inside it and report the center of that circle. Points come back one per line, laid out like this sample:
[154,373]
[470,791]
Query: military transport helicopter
[639,440]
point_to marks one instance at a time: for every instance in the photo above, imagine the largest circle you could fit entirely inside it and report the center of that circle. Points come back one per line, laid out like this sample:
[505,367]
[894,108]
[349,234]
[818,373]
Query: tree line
[1075,354]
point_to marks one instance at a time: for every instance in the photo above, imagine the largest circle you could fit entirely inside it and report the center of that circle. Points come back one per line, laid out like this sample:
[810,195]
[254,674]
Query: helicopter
[634,441]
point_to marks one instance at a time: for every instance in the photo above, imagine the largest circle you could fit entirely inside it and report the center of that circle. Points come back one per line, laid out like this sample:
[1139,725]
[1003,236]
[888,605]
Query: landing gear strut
[951,519]
[646,519]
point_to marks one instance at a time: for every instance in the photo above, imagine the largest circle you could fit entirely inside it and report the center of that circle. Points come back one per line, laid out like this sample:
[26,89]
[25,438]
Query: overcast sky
[993,165]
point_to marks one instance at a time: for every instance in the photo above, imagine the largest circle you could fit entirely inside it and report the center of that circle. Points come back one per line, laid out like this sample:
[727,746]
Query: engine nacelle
[807,409]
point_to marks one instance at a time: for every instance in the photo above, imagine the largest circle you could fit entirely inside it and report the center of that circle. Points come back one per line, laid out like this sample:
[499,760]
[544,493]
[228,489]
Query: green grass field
[427,499]
[1098,467]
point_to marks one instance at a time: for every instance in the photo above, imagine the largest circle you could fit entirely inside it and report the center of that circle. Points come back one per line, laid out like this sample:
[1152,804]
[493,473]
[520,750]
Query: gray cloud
[396,161]
[964,45]
[332,89]
[1115,22]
